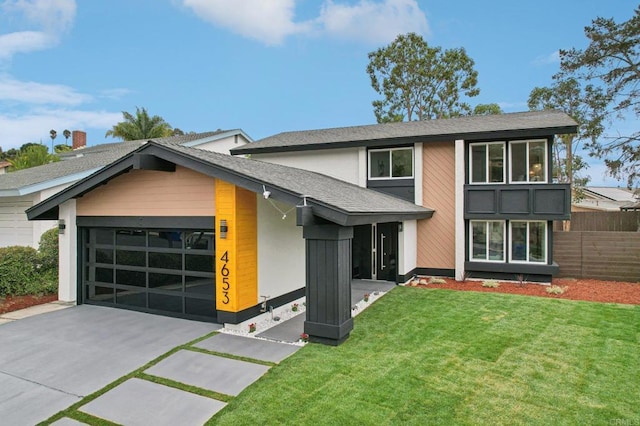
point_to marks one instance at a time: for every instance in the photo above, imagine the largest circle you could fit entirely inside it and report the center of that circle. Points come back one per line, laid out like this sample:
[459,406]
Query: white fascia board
[219,136]
[41,186]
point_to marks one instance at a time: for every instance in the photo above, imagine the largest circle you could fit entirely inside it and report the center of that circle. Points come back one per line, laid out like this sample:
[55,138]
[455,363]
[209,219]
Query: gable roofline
[212,164]
[499,126]
[84,162]
[52,183]
[218,136]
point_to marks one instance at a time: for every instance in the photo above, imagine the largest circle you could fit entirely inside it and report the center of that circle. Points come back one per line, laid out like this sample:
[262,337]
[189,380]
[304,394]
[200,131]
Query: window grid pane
[537,242]
[496,162]
[402,162]
[519,171]
[380,166]
[537,166]
[478,163]
[479,240]
[496,241]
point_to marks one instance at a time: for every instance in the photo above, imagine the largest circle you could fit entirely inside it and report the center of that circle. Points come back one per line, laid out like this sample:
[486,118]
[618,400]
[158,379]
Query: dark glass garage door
[169,272]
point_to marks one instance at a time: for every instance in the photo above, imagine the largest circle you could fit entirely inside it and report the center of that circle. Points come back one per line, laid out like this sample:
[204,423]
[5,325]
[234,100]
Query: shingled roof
[332,199]
[78,164]
[523,124]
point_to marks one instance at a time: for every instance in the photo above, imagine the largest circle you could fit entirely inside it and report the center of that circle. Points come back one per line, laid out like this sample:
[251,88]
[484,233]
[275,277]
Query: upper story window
[528,161]
[486,162]
[391,163]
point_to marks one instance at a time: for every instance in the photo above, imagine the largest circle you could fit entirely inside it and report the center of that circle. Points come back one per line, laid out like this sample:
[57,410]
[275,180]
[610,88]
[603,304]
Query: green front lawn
[445,357]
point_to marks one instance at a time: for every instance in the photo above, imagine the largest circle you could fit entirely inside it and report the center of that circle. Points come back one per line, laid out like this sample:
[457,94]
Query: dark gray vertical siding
[328,276]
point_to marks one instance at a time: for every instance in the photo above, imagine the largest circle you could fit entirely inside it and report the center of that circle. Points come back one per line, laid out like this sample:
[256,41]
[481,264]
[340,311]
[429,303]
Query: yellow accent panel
[237,254]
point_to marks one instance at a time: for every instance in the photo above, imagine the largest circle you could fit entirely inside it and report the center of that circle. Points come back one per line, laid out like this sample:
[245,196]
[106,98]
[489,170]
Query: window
[529,161]
[487,240]
[391,163]
[487,162]
[528,241]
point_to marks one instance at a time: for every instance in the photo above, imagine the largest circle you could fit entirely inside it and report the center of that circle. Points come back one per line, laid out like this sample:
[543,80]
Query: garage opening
[164,271]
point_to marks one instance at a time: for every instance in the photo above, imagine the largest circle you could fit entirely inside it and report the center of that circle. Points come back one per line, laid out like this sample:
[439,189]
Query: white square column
[68,253]
[460,243]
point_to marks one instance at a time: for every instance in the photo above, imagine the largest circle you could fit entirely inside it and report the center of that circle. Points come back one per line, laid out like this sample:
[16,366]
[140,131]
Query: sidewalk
[34,310]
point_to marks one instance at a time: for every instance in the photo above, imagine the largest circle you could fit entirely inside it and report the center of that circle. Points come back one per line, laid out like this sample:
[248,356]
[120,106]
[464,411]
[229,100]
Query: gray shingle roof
[452,128]
[332,199]
[333,192]
[84,160]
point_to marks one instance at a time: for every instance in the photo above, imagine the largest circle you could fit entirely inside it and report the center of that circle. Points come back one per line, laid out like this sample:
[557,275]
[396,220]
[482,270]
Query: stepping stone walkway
[141,402]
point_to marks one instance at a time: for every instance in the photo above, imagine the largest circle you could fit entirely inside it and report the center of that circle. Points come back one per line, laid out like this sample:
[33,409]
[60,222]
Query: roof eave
[409,140]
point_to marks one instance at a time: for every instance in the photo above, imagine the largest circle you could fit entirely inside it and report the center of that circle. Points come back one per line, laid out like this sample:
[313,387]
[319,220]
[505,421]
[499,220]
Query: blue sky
[259,65]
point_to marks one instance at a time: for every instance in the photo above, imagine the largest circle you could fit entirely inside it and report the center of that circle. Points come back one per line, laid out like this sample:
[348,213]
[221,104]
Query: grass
[443,357]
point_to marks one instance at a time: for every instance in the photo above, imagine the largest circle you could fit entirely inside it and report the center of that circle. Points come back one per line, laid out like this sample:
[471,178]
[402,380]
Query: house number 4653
[224,271]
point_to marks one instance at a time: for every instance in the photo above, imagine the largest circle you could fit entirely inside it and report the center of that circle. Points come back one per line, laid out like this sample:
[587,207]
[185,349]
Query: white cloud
[30,92]
[551,58]
[24,41]
[45,21]
[269,21]
[35,126]
[373,21]
[116,93]
[272,21]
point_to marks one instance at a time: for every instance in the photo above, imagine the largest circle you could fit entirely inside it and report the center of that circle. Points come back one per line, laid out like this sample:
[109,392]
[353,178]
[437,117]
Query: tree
[487,109]
[612,61]
[52,135]
[587,107]
[31,156]
[419,82]
[140,126]
[67,135]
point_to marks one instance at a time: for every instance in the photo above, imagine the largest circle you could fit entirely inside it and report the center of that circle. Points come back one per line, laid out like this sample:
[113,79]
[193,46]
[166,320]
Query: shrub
[48,250]
[22,272]
[556,289]
[490,283]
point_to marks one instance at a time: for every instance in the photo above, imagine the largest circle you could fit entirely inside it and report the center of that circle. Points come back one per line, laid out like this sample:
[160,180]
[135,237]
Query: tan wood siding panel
[436,236]
[152,193]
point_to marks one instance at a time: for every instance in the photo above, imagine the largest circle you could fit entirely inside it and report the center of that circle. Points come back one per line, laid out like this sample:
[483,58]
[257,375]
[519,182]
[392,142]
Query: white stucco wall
[281,250]
[15,229]
[223,145]
[341,163]
[68,253]
[408,247]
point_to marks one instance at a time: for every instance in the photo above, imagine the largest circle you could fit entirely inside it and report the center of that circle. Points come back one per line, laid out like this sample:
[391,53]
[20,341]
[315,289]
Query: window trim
[390,150]
[546,243]
[504,241]
[487,162]
[546,161]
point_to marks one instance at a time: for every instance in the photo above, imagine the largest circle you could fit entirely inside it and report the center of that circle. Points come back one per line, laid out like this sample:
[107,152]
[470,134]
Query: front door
[386,254]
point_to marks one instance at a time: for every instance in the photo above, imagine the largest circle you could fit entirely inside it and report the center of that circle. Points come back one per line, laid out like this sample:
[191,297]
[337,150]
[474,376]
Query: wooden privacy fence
[599,255]
[621,221]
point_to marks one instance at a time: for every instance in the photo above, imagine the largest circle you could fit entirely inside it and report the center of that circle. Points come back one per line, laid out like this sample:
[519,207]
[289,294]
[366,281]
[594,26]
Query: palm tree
[140,126]
[32,156]
[52,134]
[66,135]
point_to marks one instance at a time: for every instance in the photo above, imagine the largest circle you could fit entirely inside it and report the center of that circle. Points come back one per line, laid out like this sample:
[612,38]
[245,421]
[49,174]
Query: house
[180,231]
[22,189]
[488,179]
[604,198]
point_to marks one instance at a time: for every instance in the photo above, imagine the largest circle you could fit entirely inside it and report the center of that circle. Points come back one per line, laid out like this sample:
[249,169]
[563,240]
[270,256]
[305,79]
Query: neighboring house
[22,189]
[603,198]
[179,231]
[4,166]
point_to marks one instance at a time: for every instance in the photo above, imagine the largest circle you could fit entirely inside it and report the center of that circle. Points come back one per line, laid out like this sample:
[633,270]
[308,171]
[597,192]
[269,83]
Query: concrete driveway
[52,360]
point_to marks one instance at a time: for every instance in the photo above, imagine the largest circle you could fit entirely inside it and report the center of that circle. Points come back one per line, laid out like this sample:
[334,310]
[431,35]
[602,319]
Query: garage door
[169,272]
